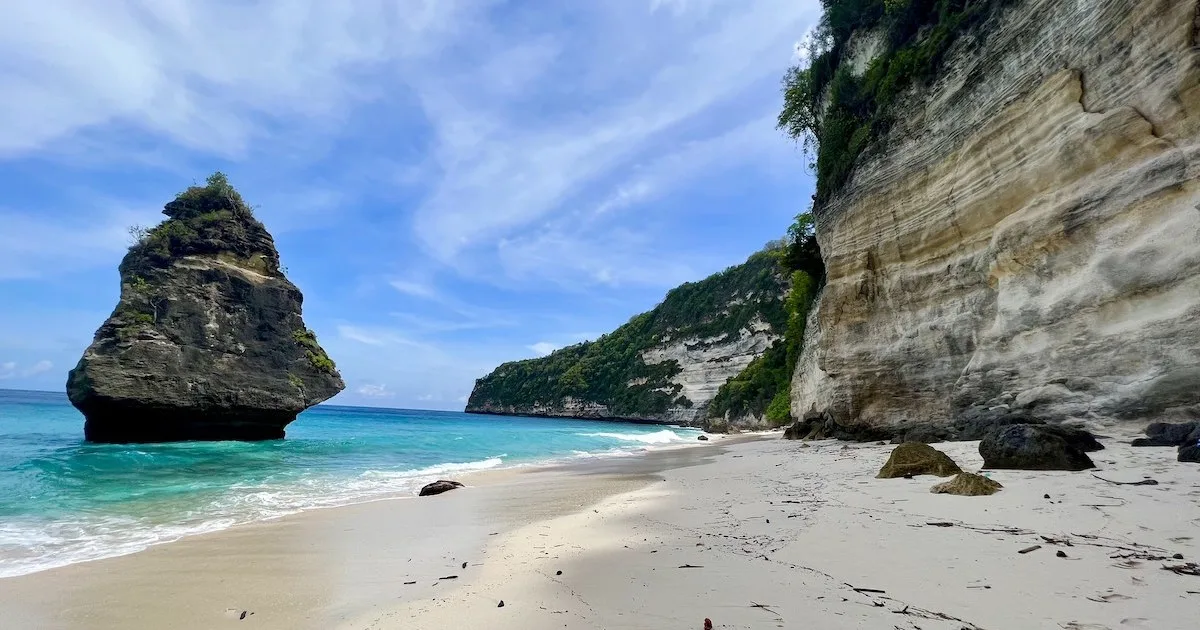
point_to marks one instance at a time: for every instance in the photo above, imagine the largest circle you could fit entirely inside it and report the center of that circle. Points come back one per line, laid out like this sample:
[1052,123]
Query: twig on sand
[1144,482]
[754,604]
[864,590]
[940,524]
[1029,549]
[691,566]
[929,614]
[1187,568]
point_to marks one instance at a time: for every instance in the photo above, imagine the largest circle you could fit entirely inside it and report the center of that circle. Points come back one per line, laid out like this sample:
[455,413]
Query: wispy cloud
[371,390]
[543,348]
[10,369]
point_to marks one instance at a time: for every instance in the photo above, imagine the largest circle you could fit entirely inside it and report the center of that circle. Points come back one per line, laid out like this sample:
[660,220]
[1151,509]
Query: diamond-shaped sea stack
[207,341]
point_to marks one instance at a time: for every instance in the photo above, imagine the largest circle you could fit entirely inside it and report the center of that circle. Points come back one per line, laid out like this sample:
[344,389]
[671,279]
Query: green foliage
[217,195]
[321,361]
[313,350]
[764,386]
[826,106]
[751,391]
[801,252]
[208,219]
[142,318]
[295,381]
[610,370]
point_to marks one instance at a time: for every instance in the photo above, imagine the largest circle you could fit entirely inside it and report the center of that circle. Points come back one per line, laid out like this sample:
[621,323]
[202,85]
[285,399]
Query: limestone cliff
[1026,237]
[665,365]
[206,342]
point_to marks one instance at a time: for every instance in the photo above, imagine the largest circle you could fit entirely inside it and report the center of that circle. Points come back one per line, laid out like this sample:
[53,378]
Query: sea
[64,500]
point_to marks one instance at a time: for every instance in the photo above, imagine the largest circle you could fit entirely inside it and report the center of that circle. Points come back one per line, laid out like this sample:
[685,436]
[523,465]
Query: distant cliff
[206,342]
[666,365]
[1009,210]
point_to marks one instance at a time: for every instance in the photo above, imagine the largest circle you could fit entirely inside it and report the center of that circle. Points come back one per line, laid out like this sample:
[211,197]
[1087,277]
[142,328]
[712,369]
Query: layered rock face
[1027,240]
[664,366]
[207,341]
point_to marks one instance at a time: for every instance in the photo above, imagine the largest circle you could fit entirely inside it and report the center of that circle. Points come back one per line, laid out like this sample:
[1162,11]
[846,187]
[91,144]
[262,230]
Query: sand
[752,534]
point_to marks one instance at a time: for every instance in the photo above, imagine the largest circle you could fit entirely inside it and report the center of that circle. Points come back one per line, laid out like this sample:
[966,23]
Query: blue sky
[452,184]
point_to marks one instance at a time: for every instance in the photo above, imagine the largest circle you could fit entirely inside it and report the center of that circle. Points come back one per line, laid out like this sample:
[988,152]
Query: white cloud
[503,171]
[415,289]
[376,336]
[10,369]
[374,391]
[206,76]
[36,244]
[543,348]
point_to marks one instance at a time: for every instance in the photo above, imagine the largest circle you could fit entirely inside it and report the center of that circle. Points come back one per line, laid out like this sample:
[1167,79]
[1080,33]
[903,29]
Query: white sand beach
[749,533]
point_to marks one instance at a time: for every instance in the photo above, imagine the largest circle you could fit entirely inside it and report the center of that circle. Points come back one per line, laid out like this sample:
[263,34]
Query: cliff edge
[207,341]
[1023,238]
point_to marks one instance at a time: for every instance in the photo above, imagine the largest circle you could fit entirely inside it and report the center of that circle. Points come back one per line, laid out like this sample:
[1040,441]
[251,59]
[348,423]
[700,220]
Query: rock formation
[666,365]
[1032,447]
[1024,240]
[206,342]
[914,458]
[968,485]
[438,487]
[1170,434]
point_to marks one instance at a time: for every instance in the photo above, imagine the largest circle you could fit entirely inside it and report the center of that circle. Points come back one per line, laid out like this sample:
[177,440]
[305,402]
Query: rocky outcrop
[207,341]
[1024,240]
[914,458]
[967,484]
[1032,447]
[438,487]
[1170,434]
[664,366]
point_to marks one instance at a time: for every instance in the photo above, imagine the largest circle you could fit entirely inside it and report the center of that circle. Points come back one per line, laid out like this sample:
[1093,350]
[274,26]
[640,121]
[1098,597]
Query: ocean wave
[666,436]
[32,546]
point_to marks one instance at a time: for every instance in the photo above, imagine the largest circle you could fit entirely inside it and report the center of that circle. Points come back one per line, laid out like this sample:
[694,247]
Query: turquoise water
[63,500]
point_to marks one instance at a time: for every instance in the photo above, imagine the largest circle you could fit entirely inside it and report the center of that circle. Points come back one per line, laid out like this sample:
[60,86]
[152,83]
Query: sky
[451,183]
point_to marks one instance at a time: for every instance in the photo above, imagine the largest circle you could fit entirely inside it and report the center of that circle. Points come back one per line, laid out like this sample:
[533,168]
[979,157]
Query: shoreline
[319,567]
[669,537]
[408,483]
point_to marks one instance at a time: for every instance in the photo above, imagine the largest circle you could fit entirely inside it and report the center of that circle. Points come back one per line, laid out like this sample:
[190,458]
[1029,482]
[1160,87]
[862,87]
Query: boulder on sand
[1032,447]
[1169,434]
[1190,453]
[439,487]
[968,485]
[915,458]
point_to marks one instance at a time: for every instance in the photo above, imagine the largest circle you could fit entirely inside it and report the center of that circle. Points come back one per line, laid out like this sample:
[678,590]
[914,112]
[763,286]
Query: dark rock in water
[1031,447]
[1169,434]
[915,458]
[703,438]
[207,340]
[439,487]
[1190,453]
[968,485]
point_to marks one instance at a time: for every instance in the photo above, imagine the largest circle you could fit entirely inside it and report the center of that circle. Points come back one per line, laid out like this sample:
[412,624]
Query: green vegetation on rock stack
[611,372]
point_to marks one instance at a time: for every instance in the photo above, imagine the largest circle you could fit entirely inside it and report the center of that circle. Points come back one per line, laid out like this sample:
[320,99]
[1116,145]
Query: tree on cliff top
[837,114]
